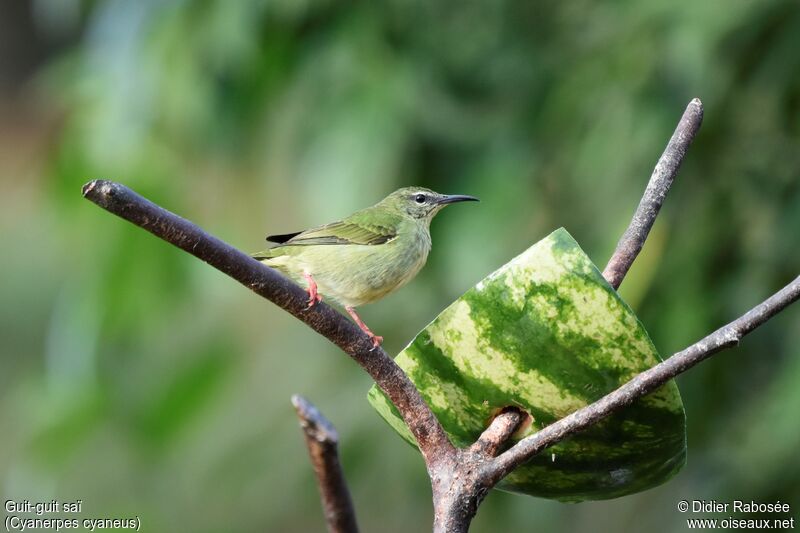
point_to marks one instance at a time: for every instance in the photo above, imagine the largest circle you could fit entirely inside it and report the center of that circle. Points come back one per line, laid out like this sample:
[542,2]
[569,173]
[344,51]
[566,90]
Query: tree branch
[631,242]
[499,431]
[264,281]
[649,380]
[322,441]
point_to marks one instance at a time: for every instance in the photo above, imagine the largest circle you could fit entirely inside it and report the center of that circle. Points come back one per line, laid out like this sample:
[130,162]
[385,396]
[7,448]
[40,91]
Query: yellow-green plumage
[356,274]
[367,255]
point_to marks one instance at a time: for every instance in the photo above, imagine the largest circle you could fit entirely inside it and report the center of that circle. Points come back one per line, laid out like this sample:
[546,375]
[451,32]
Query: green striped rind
[546,332]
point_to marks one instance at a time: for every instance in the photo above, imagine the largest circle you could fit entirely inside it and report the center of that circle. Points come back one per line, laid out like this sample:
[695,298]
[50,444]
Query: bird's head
[421,203]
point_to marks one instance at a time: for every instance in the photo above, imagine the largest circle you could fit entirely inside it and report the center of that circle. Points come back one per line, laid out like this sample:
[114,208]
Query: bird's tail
[267,256]
[276,261]
[272,257]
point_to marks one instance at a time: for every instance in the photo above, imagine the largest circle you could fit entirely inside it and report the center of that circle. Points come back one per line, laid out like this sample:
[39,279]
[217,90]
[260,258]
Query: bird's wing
[365,227]
[343,232]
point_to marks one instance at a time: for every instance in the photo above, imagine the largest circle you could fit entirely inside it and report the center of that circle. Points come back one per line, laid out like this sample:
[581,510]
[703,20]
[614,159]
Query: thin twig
[649,380]
[322,441]
[499,431]
[264,281]
[664,173]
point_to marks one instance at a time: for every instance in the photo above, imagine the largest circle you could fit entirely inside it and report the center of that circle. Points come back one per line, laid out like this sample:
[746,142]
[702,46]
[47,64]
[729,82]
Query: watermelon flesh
[548,334]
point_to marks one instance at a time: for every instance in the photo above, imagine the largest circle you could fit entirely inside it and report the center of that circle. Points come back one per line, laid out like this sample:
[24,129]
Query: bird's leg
[313,295]
[376,339]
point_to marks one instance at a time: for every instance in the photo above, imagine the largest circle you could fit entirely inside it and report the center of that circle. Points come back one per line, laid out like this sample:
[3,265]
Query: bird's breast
[377,271]
[401,261]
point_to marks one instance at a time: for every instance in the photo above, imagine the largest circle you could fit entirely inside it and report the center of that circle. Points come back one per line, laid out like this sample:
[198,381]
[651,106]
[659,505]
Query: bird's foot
[313,296]
[376,339]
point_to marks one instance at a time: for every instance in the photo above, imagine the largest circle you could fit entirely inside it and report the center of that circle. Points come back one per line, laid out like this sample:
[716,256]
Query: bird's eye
[420,198]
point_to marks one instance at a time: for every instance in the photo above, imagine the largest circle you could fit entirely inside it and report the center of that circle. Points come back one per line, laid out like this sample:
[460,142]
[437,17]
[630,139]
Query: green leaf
[547,333]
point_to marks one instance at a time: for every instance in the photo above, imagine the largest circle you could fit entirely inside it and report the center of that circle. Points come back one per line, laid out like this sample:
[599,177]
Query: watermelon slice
[548,334]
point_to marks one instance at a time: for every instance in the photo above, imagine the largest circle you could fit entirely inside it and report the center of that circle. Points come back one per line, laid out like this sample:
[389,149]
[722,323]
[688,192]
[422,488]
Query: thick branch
[322,441]
[725,337]
[667,167]
[270,284]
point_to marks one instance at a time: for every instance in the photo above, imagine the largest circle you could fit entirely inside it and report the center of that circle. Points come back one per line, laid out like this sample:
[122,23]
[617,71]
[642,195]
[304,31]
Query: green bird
[362,258]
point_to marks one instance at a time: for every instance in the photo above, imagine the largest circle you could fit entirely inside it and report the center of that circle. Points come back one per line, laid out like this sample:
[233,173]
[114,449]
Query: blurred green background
[145,383]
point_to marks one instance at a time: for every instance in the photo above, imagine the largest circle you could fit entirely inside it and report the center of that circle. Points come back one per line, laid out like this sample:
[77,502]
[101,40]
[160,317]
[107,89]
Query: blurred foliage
[143,382]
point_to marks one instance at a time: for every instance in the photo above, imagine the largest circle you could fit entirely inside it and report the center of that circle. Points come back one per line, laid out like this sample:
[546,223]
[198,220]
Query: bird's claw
[313,299]
[313,296]
[377,340]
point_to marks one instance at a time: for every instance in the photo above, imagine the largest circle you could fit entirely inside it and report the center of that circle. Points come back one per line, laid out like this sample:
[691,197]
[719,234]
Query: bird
[363,257]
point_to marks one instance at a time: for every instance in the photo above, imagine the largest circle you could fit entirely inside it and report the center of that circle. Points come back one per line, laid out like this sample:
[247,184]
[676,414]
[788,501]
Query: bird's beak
[453,198]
